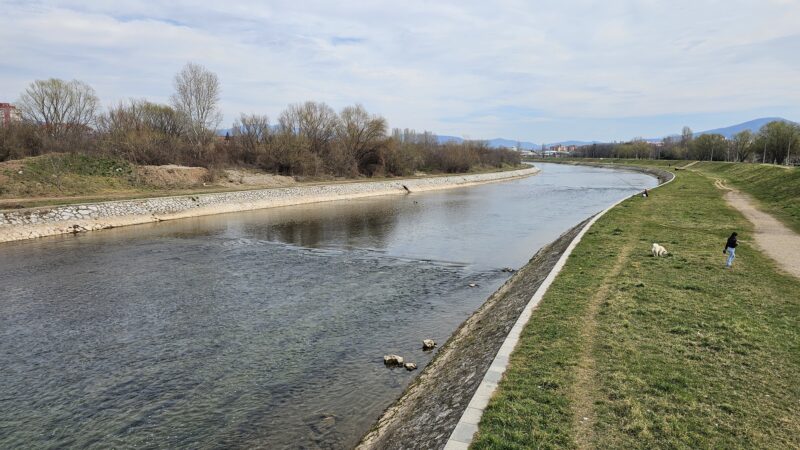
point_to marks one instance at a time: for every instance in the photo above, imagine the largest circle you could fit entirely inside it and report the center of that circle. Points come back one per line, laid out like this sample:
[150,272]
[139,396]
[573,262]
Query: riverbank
[631,351]
[63,178]
[429,409]
[775,188]
[47,221]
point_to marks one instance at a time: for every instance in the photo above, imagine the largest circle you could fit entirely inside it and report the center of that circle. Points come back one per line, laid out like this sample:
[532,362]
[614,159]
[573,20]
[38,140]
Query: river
[265,328]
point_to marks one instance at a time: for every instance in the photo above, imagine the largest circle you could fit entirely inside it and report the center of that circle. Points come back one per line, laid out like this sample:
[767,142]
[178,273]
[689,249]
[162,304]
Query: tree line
[308,139]
[776,142]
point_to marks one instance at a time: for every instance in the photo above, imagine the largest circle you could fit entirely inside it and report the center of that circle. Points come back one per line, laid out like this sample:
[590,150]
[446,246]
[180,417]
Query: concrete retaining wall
[38,222]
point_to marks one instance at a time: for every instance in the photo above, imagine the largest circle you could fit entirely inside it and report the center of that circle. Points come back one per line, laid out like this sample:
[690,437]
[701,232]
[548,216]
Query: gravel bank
[38,222]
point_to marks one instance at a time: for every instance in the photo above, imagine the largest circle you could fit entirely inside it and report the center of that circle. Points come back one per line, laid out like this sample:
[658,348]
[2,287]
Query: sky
[540,71]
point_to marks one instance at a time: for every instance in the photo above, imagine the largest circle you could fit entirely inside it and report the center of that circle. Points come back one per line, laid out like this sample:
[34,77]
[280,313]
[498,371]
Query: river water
[260,329]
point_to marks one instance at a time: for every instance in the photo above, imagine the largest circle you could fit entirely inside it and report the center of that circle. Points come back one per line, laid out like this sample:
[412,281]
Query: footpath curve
[776,239]
[48,221]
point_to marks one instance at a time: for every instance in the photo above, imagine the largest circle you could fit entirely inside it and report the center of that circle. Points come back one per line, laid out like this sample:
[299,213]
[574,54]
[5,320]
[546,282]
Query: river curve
[265,328]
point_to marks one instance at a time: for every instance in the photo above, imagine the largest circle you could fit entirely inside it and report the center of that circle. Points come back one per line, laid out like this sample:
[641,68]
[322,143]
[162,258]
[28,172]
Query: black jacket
[732,242]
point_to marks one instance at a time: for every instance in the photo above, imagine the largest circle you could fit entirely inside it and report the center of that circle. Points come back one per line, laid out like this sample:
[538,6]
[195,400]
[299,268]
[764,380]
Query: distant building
[8,114]
[561,148]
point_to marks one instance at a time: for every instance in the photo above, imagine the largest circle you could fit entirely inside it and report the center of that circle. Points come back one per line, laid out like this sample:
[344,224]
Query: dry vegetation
[309,139]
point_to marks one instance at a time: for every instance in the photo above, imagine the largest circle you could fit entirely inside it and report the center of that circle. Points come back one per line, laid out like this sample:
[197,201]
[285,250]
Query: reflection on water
[260,329]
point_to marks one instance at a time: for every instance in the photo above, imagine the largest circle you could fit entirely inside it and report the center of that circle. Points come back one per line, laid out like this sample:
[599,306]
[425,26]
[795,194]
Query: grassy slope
[64,175]
[631,351]
[777,189]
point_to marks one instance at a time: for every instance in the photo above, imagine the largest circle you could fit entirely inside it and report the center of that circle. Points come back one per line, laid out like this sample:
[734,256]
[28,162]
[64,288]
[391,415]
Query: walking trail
[776,239]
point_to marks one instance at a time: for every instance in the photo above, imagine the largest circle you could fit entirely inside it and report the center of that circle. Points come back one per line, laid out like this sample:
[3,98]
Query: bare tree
[315,122]
[708,146]
[59,105]
[639,147]
[742,145]
[196,97]
[362,135]
[251,135]
[686,138]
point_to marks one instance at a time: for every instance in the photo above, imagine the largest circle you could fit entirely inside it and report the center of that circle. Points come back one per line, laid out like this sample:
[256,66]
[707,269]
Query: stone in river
[410,366]
[393,360]
[428,344]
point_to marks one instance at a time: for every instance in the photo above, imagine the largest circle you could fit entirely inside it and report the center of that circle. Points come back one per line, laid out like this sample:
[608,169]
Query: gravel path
[773,237]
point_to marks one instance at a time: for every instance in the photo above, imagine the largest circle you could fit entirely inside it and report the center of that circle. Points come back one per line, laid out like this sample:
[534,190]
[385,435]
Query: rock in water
[428,344]
[410,366]
[393,360]
[472,285]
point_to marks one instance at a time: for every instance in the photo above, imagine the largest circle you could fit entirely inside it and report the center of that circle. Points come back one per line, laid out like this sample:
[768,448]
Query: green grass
[65,175]
[672,352]
[777,189]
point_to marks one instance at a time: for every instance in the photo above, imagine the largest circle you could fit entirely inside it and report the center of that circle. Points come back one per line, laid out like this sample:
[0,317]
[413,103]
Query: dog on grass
[658,250]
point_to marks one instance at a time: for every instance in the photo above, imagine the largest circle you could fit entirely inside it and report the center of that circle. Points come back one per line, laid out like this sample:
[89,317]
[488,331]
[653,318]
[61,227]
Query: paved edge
[467,426]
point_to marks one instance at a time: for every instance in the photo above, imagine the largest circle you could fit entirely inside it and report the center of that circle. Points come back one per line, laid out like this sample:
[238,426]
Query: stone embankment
[38,222]
[428,411]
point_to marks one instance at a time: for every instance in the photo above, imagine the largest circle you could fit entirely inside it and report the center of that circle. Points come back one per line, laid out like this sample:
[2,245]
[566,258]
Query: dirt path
[687,165]
[774,238]
[584,391]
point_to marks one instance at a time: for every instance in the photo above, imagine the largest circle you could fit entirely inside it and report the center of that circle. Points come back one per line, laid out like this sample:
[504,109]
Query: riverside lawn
[776,188]
[631,351]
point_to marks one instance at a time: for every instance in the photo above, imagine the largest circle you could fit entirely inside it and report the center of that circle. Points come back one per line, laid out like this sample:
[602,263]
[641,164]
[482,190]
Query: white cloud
[511,68]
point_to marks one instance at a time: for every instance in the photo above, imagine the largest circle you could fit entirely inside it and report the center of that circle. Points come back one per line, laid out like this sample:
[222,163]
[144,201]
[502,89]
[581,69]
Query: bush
[310,140]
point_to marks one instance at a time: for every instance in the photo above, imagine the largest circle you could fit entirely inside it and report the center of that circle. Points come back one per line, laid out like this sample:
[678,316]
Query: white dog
[658,250]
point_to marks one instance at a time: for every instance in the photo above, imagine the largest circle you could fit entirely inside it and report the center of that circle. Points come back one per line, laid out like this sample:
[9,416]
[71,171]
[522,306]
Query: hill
[752,125]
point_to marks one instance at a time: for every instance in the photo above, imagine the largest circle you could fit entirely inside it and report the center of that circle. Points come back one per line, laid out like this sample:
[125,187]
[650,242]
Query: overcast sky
[540,71]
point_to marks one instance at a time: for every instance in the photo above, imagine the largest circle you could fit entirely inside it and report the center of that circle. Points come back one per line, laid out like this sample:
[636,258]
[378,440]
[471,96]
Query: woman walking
[730,249]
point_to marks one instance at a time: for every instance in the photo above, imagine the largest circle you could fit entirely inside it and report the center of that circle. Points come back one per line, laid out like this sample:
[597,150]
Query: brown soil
[237,177]
[425,415]
[172,175]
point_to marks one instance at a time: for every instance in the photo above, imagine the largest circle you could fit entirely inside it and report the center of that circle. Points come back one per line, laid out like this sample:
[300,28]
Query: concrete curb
[467,426]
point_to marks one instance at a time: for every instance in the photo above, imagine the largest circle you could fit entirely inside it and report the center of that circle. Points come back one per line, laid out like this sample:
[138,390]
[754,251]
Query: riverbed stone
[410,366]
[428,344]
[393,360]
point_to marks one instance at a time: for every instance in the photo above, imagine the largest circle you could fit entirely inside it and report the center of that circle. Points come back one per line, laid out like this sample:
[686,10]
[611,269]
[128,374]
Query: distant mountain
[448,139]
[752,125]
[576,143]
[494,143]
[510,143]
